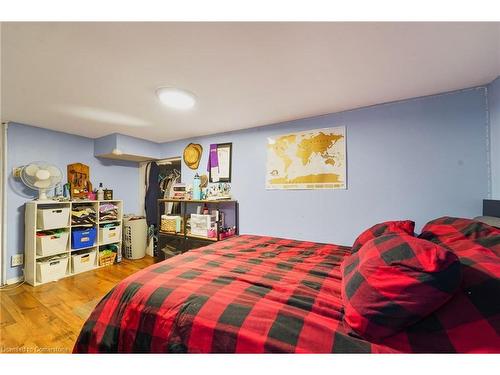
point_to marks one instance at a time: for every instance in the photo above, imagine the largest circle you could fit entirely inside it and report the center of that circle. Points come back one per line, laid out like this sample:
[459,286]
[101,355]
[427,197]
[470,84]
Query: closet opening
[156,181]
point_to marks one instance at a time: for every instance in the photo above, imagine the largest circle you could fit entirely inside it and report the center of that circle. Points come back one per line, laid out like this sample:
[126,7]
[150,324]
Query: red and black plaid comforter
[247,294]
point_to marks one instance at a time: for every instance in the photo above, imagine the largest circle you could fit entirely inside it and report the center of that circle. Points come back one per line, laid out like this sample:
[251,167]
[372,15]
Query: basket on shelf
[106,259]
[171,224]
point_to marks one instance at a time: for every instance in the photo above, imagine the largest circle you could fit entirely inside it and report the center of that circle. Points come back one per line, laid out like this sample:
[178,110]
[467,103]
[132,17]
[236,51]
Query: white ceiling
[94,79]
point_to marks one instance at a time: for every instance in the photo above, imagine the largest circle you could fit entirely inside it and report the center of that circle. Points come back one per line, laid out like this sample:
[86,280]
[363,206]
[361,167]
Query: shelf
[31,231]
[185,241]
[45,230]
[180,235]
[110,221]
[109,243]
[72,201]
[198,201]
[213,239]
[188,235]
[48,202]
[83,248]
[52,255]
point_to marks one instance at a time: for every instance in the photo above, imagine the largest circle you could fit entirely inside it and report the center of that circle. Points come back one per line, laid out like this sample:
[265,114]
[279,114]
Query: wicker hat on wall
[192,155]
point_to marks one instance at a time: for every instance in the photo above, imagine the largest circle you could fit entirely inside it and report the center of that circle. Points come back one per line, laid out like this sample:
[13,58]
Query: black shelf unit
[177,243]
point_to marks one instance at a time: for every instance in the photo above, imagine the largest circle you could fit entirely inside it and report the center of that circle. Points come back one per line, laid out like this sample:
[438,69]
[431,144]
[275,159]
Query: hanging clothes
[152,193]
[161,176]
[166,187]
[173,178]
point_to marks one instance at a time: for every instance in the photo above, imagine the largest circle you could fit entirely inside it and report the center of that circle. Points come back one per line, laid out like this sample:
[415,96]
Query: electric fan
[41,176]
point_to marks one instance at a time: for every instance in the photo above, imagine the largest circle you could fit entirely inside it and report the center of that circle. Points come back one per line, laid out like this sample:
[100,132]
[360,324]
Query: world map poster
[312,159]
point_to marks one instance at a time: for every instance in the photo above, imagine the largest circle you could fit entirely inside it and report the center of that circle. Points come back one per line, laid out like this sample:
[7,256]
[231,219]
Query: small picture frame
[224,156]
[108,194]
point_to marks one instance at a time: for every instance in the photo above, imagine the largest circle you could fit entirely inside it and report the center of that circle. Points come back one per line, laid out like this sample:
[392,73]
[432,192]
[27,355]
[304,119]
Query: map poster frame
[307,160]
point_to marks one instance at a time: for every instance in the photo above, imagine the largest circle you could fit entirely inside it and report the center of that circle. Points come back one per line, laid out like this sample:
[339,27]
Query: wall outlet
[17,260]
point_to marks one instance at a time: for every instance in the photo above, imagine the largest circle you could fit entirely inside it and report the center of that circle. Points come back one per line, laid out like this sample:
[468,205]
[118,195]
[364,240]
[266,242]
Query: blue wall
[416,159]
[27,143]
[494,113]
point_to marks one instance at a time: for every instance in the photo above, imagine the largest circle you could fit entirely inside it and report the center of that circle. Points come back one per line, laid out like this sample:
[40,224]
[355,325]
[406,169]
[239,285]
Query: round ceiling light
[176,98]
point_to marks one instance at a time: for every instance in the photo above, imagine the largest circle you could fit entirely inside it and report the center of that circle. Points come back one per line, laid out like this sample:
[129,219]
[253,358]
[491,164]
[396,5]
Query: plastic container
[51,269]
[83,237]
[52,218]
[83,262]
[110,234]
[200,224]
[51,243]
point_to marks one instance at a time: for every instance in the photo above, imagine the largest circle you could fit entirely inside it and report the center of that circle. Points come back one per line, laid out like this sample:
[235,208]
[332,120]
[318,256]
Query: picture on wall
[219,162]
[312,159]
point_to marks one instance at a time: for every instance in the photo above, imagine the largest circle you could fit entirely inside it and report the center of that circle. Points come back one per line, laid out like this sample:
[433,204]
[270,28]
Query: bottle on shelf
[100,192]
[196,187]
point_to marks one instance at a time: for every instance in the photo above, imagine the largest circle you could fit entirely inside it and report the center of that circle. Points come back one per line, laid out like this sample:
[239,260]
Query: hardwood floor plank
[48,318]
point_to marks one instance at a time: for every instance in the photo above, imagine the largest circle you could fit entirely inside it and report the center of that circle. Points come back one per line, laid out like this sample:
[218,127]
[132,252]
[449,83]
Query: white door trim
[3,205]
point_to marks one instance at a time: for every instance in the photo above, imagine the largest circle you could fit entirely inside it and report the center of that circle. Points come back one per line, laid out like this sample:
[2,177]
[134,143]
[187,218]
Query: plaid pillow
[403,227]
[447,230]
[394,281]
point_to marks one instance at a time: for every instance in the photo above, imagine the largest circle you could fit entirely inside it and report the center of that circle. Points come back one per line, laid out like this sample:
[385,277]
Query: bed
[258,294]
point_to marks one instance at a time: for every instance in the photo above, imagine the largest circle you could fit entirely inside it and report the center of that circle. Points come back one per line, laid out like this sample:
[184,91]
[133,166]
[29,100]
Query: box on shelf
[201,225]
[51,242]
[179,190]
[51,269]
[52,218]
[83,262]
[110,234]
[83,237]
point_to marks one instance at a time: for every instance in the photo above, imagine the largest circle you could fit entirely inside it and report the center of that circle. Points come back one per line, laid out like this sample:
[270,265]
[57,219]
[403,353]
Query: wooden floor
[48,318]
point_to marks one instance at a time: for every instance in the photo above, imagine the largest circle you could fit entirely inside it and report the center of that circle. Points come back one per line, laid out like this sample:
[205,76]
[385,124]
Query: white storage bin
[83,262]
[200,224]
[110,234]
[51,269]
[52,218]
[50,244]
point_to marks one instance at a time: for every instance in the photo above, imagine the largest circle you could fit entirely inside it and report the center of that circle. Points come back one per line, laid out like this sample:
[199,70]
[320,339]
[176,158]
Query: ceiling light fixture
[176,98]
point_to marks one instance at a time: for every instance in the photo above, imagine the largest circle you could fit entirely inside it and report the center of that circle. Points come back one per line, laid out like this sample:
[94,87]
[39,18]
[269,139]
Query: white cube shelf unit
[55,254]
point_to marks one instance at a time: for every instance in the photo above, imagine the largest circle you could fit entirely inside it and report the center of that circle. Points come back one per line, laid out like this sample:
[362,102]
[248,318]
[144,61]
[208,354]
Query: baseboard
[14,280]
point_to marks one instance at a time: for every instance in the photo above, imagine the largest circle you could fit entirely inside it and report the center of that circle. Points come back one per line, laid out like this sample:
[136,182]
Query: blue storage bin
[83,237]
